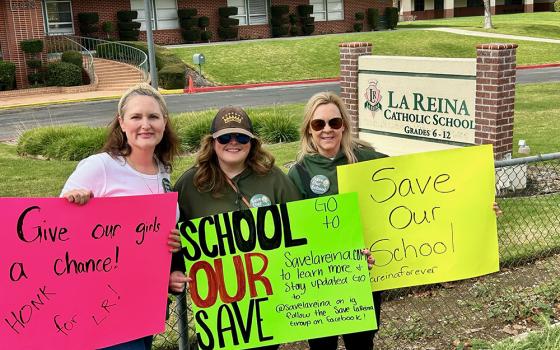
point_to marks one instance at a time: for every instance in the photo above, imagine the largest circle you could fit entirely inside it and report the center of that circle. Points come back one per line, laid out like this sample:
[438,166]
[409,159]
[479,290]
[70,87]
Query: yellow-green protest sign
[278,274]
[427,217]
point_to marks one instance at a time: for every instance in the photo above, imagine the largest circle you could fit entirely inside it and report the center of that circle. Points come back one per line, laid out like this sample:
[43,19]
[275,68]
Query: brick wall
[19,24]
[495,96]
[349,53]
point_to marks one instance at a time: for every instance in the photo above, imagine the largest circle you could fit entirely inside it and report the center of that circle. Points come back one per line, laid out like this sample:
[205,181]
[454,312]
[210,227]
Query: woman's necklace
[141,175]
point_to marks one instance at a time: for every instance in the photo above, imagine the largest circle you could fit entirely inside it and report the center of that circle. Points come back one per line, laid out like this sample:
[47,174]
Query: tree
[487,15]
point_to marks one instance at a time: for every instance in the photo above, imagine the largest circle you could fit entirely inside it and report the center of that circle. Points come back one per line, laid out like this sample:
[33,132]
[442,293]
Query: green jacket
[276,186]
[303,172]
[259,190]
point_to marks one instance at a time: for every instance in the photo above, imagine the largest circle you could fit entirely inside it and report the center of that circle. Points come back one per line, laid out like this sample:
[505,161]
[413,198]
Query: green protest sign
[278,274]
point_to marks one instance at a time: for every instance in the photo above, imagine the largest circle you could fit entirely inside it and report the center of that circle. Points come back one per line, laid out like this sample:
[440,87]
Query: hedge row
[77,142]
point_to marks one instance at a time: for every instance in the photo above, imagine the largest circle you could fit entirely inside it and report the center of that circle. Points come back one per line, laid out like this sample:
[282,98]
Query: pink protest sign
[83,277]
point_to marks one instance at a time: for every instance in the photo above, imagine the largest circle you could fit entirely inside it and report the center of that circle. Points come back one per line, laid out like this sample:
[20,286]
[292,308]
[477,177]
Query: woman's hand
[178,281]
[370,259]
[78,196]
[497,209]
[174,241]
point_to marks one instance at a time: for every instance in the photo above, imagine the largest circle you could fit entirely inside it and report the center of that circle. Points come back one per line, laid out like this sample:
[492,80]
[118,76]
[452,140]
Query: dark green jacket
[316,164]
[276,186]
[193,204]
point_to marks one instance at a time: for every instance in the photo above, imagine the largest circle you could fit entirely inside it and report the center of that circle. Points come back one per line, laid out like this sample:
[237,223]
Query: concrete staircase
[116,76]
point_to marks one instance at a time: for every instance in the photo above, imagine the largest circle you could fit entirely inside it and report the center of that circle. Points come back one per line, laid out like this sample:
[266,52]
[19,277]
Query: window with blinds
[327,10]
[164,14]
[58,15]
[250,12]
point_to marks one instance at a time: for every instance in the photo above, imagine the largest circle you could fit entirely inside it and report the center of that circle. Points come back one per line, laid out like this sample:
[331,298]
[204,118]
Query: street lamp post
[150,41]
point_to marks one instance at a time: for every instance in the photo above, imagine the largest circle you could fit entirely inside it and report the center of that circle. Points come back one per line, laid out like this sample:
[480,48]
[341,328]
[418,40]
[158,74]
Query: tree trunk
[487,15]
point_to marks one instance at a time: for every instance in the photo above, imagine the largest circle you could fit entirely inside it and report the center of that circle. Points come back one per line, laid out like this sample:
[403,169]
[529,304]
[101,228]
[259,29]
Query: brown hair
[116,143]
[210,178]
[348,143]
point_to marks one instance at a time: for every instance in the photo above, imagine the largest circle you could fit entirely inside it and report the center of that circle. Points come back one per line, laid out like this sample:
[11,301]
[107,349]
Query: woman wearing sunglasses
[326,142]
[232,172]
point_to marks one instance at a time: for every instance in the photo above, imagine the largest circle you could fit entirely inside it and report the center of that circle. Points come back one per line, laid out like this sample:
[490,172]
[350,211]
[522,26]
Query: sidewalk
[491,35]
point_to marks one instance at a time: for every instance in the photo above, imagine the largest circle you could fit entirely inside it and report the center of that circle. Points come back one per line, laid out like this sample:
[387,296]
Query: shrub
[191,35]
[34,63]
[227,11]
[203,22]
[294,31]
[73,57]
[88,17]
[279,21]
[280,30]
[228,22]
[277,128]
[557,6]
[108,27]
[127,16]
[124,26]
[129,35]
[191,128]
[359,16]
[358,27]
[66,142]
[186,13]
[305,10]
[128,31]
[307,30]
[35,78]
[392,17]
[279,10]
[172,77]
[7,75]
[206,35]
[373,18]
[228,33]
[188,23]
[63,74]
[292,18]
[33,46]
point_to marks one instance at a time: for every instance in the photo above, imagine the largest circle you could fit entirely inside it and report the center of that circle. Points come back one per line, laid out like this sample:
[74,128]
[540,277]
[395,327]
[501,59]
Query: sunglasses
[240,138]
[319,124]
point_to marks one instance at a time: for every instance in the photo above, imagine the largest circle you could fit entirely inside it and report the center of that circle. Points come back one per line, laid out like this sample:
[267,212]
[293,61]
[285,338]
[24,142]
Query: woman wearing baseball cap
[232,172]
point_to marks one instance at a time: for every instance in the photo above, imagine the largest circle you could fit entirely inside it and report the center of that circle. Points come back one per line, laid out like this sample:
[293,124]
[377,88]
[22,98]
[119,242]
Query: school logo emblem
[373,97]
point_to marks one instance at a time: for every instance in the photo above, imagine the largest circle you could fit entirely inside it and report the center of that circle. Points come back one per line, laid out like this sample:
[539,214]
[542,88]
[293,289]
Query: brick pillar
[448,8]
[495,97]
[349,53]
[528,6]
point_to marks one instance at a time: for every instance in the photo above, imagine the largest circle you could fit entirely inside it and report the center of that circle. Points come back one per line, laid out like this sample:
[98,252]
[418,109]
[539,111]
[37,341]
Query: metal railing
[56,45]
[523,293]
[111,50]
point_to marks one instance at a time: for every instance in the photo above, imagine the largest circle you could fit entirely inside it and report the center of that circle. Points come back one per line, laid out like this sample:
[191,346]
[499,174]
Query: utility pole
[150,41]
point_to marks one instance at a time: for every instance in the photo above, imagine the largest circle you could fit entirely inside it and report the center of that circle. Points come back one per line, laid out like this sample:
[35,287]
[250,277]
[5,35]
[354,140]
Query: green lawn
[538,24]
[536,109]
[318,56]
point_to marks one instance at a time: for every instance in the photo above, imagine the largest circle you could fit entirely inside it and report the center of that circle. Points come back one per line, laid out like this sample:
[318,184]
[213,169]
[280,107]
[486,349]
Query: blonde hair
[210,178]
[348,143]
[117,144]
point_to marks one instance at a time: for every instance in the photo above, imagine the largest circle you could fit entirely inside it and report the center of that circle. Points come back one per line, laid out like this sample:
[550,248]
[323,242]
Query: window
[250,12]
[418,5]
[327,10]
[58,15]
[475,3]
[164,14]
